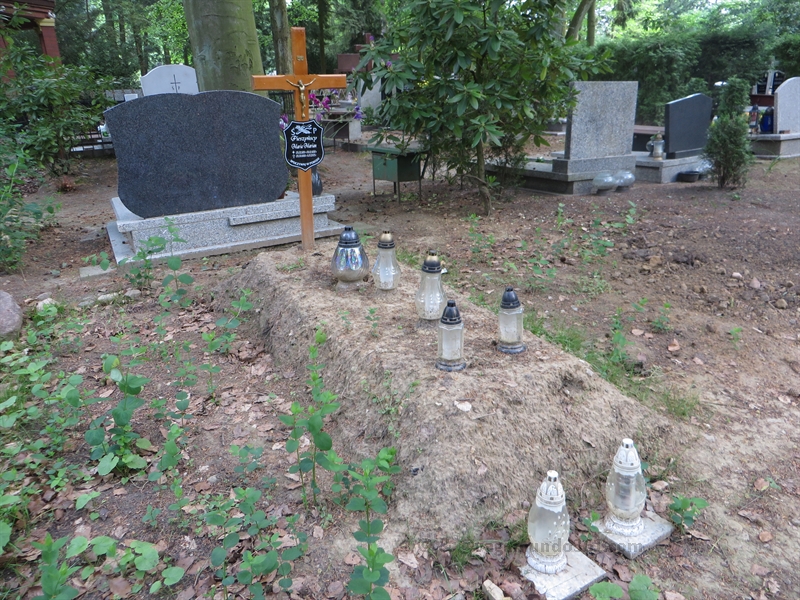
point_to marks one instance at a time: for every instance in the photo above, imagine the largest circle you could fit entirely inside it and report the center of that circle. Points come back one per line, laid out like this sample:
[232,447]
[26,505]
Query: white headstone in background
[170,79]
[787,106]
[129,97]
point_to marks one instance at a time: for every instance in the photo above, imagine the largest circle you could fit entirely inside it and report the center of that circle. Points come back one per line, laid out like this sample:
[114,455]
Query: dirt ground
[703,283]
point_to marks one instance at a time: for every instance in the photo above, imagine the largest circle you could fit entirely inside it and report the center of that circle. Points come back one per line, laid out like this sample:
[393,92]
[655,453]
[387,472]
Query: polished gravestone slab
[179,153]
[686,123]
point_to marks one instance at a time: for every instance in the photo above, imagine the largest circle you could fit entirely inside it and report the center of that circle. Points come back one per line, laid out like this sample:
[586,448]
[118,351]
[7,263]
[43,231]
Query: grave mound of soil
[473,445]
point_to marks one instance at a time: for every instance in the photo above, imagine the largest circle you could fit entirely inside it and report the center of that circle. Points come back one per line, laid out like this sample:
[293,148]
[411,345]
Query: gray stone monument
[599,138]
[785,142]
[686,124]
[212,164]
[600,128]
[787,107]
[170,79]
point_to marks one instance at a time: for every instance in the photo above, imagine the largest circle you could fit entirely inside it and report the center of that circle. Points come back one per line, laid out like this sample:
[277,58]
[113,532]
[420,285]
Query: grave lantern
[656,147]
[604,182]
[624,180]
[431,298]
[350,263]
[510,323]
[386,271]
[625,492]
[450,356]
[548,527]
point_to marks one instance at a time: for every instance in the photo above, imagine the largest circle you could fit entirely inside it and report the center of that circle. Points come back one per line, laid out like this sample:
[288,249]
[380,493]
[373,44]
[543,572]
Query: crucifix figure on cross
[299,84]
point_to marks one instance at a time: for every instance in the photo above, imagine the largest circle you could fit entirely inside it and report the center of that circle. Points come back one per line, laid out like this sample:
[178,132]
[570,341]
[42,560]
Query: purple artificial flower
[358,115]
[318,117]
[284,121]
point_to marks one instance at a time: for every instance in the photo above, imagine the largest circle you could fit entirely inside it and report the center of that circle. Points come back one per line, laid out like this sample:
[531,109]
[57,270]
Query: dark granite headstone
[686,124]
[181,154]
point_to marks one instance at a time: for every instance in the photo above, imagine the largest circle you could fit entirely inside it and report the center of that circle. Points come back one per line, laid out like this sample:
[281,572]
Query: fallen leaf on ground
[761,484]
[119,586]
[673,596]
[759,571]
[623,572]
[637,332]
[408,558]
[674,346]
[765,537]
[463,406]
[697,535]
[352,559]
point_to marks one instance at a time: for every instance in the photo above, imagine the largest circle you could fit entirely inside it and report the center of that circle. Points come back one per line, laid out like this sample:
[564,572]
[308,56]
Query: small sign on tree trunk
[304,144]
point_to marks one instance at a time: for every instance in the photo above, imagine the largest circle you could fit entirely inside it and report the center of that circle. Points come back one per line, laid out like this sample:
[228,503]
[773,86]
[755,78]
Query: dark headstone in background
[181,154]
[686,123]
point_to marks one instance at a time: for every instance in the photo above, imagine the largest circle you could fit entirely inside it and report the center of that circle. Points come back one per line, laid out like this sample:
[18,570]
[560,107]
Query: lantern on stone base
[625,527]
[557,570]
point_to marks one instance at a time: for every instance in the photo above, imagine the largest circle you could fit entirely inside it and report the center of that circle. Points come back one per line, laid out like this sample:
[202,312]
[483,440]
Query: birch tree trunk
[224,43]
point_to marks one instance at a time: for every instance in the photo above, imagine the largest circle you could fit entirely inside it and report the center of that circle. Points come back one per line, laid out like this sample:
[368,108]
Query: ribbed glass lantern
[386,271]
[548,527]
[431,299]
[625,179]
[604,182]
[625,492]
[510,320]
[349,263]
[450,356]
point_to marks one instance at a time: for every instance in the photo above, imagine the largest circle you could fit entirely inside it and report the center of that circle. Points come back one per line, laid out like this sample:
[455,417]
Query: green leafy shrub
[47,105]
[20,221]
[728,149]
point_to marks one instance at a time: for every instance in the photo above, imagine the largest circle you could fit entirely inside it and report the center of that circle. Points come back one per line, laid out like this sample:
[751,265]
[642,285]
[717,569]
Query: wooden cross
[301,83]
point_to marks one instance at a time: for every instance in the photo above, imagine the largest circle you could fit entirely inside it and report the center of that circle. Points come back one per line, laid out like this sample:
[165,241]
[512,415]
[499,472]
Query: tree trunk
[139,46]
[224,43]
[483,187]
[574,29]
[167,55]
[591,24]
[108,13]
[123,38]
[322,12]
[281,36]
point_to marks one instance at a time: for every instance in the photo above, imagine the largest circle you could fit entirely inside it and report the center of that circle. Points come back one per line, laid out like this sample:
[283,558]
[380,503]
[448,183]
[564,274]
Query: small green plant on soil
[310,419]
[390,401]
[300,263]
[373,319]
[661,323]
[481,243]
[685,510]
[588,522]
[736,336]
[561,220]
[239,520]
[640,588]
[116,448]
[372,480]
[140,273]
